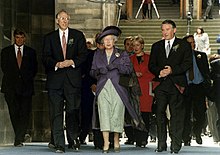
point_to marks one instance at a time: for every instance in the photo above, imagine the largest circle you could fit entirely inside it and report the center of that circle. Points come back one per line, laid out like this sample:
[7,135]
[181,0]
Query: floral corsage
[199,56]
[70,42]
[176,47]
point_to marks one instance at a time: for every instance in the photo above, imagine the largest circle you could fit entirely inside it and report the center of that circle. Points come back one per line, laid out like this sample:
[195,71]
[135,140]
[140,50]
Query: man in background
[19,67]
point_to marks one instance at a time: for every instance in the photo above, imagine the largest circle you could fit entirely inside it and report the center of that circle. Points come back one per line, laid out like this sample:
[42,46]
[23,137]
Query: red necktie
[19,57]
[64,45]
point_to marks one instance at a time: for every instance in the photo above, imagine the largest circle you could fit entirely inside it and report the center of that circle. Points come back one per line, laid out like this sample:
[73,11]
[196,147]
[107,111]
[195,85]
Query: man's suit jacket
[202,63]
[52,53]
[15,79]
[180,60]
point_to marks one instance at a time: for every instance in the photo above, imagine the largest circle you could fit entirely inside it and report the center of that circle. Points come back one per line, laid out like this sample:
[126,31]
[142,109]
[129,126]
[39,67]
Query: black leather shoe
[198,140]
[18,144]
[129,142]
[174,152]
[59,149]
[142,144]
[76,144]
[51,145]
[161,149]
[187,143]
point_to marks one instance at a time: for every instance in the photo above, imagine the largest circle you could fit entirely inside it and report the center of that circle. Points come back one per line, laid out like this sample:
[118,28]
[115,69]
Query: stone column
[129,5]
[197,9]
[109,14]
[183,8]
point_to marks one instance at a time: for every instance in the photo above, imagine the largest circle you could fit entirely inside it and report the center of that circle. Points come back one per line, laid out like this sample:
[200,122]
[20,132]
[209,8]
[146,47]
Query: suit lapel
[23,57]
[70,42]
[172,48]
[163,48]
[58,43]
[199,60]
[13,56]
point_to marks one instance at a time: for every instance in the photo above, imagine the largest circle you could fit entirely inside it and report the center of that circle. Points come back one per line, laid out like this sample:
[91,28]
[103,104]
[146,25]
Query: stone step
[151,31]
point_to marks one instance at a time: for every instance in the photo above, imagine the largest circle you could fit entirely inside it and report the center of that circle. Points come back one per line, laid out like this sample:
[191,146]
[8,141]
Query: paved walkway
[208,148]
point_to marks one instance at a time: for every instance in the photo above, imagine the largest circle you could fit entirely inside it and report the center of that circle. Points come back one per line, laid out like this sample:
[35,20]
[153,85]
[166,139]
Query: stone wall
[85,16]
[6,132]
[36,20]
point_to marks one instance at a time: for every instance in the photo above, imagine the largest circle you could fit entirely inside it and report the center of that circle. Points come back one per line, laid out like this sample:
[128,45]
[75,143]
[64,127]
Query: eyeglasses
[64,18]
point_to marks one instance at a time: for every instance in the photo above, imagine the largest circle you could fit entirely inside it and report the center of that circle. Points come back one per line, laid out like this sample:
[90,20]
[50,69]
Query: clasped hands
[166,71]
[109,67]
[65,63]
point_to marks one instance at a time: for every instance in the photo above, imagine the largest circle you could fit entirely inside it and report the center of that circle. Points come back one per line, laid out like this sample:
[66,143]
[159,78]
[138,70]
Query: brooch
[117,54]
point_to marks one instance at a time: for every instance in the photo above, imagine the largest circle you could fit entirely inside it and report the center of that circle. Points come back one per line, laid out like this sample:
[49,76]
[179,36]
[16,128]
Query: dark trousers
[166,93]
[209,8]
[195,114]
[153,126]
[216,84]
[142,136]
[19,110]
[129,131]
[86,111]
[147,10]
[72,102]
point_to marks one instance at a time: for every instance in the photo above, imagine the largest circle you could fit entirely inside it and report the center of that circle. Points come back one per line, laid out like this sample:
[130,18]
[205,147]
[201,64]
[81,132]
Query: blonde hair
[139,39]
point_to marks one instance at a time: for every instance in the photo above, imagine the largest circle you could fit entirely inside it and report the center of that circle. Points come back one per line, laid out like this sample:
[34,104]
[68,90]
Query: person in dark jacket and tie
[64,52]
[198,77]
[19,67]
[169,68]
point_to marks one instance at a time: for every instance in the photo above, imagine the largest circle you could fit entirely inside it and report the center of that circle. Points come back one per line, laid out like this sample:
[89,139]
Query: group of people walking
[106,88]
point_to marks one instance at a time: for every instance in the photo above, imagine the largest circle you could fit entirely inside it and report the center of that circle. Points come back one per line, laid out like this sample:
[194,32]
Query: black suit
[195,99]
[64,83]
[18,87]
[87,97]
[170,89]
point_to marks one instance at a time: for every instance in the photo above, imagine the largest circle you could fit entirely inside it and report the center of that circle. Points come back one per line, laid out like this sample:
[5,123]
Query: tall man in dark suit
[64,51]
[19,67]
[199,81]
[169,67]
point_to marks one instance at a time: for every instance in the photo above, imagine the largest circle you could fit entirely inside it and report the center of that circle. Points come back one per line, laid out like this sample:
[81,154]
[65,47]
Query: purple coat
[102,71]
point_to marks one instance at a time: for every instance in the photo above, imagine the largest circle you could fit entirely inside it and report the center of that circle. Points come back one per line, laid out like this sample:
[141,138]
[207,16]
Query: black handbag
[126,80]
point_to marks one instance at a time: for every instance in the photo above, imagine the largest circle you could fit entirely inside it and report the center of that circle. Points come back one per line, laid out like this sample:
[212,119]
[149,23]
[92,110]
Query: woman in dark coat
[111,97]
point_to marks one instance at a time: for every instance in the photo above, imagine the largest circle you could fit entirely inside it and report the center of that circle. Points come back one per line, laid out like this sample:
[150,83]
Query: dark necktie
[168,49]
[19,57]
[64,45]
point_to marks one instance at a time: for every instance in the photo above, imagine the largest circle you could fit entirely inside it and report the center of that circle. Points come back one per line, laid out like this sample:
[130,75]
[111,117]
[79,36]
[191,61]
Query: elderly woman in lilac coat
[107,66]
